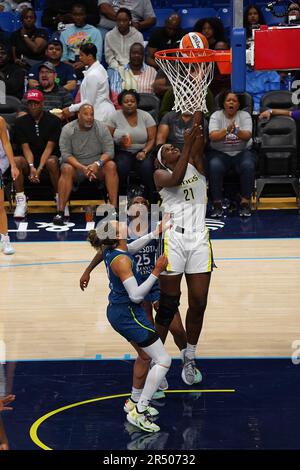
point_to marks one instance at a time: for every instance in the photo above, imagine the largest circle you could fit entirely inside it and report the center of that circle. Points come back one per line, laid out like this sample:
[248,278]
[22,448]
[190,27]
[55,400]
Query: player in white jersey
[182,186]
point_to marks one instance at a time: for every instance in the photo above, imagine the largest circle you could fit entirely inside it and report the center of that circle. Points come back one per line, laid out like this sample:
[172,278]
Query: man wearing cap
[55,97]
[37,135]
[65,73]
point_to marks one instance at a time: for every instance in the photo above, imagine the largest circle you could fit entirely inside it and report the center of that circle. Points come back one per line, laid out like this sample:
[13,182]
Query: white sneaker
[142,421]
[6,246]
[129,405]
[21,207]
[190,374]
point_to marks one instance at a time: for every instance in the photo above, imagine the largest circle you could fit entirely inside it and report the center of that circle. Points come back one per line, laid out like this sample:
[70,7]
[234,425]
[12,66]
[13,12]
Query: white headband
[159,157]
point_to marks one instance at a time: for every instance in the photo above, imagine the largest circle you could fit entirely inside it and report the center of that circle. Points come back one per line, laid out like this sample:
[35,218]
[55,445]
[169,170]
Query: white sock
[20,194]
[136,394]
[154,378]
[182,352]
[191,350]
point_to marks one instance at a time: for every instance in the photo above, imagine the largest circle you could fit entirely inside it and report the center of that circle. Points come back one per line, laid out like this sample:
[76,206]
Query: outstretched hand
[5,401]
[84,281]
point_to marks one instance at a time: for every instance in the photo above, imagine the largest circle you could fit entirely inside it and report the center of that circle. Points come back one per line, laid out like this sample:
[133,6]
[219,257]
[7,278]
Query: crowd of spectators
[79,77]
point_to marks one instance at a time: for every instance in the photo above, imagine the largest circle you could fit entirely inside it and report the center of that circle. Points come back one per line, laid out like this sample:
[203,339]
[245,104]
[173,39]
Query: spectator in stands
[135,75]
[253,18]
[87,150]
[293,13]
[55,97]
[260,82]
[268,113]
[65,73]
[58,11]
[6,159]
[172,127]
[142,13]
[221,82]
[94,88]
[77,35]
[11,74]
[28,43]
[5,39]
[37,134]
[11,5]
[134,132]
[230,133]
[120,38]
[212,29]
[167,37]
[6,5]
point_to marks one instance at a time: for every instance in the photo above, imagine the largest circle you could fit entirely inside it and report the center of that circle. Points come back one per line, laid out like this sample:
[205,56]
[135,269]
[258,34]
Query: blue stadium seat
[38,22]
[39,5]
[270,19]
[161,15]
[180,4]
[189,16]
[7,21]
[225,16]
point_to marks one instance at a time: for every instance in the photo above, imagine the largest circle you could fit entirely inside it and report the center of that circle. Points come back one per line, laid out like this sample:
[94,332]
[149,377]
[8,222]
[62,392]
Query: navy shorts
[130,321]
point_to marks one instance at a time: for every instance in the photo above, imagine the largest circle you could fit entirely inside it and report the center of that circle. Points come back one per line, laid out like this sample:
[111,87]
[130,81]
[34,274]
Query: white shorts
[188,252]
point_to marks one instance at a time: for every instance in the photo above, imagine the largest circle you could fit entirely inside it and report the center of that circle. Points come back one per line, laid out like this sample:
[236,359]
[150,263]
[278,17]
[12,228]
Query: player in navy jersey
[127,316]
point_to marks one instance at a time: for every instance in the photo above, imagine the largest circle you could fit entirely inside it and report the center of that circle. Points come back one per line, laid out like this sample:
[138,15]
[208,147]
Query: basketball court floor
[71,372]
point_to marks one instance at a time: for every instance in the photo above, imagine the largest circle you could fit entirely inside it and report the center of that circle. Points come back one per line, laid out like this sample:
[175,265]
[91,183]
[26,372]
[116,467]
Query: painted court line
[270,258]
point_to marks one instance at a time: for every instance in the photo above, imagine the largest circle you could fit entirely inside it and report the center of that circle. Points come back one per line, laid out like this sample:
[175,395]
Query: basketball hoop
[190,71]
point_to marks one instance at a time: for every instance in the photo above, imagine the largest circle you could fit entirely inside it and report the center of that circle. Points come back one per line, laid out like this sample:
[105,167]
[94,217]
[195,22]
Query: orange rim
[222,57]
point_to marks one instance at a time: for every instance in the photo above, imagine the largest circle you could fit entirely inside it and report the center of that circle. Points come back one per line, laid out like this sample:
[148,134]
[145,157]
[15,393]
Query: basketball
[193,41]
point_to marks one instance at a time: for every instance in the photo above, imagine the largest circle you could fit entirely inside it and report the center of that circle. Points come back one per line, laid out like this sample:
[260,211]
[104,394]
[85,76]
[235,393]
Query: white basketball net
[189,79]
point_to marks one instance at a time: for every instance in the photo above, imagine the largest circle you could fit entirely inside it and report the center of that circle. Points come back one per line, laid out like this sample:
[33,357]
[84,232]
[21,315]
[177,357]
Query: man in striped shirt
[135,75]
[55,97]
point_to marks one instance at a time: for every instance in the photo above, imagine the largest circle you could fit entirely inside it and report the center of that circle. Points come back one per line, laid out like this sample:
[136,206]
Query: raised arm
[164,178]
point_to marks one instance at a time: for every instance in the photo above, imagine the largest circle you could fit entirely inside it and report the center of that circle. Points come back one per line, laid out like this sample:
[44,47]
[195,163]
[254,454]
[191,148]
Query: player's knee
[198,304]
[165,360]
[168,306]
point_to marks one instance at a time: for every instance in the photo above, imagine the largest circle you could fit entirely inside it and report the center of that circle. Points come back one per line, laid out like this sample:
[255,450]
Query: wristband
[99,163]
[31,165]
[270,110]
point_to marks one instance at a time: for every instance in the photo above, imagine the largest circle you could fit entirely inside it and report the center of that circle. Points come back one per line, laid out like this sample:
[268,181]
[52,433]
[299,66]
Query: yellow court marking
[34,428]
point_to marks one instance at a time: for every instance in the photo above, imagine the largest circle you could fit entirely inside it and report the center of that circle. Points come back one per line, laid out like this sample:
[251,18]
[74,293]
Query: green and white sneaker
[190,374]
[158,395]
[142,421]
[198,376]
[130,405]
